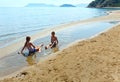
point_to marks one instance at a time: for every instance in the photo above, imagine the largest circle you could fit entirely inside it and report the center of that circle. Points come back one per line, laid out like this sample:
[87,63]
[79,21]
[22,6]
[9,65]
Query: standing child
[54,41]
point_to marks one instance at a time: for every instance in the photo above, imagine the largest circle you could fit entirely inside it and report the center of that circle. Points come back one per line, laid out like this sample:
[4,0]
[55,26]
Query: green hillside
[104,3]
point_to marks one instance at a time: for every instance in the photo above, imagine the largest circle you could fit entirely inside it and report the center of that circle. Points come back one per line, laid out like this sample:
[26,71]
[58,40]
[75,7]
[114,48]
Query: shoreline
[73,44]
[73,31]
[111,7]
[17,45]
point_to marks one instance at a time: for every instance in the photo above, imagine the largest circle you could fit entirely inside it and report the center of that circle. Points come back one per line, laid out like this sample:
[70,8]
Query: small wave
[7,34]
[17,33]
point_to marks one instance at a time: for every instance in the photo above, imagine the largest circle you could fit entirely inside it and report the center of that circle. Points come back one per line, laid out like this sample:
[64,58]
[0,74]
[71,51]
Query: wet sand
[114,16]
[9,65]
[92,60]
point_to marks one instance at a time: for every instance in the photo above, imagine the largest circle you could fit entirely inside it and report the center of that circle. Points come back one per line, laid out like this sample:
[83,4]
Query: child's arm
[32,45]
[57,40]
[23,49]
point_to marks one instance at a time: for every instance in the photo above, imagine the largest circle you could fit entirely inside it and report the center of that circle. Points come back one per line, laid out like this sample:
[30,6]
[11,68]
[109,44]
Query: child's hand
[21,52]
[46,48]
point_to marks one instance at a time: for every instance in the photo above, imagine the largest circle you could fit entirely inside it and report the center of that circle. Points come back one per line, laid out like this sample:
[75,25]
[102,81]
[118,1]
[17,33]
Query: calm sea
[21,21]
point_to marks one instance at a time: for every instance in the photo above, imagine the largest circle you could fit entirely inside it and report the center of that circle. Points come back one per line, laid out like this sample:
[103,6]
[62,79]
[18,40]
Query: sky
[21,3]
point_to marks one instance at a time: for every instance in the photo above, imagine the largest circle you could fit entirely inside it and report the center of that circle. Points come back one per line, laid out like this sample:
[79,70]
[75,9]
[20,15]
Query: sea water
[15,62]
[17,22]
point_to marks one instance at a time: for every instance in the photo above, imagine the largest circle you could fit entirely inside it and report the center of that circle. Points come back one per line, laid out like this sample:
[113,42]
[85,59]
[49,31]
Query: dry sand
[92,60]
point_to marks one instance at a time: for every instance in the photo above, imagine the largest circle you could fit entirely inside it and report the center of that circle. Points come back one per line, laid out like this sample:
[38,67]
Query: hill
[104,3]
[67,5]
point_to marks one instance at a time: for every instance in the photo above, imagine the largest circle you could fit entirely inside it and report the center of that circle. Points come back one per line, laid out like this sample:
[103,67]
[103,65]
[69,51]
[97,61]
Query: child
[54,41]
[30,46]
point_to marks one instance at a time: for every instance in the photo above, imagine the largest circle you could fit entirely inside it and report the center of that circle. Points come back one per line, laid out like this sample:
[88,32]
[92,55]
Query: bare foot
[46,48]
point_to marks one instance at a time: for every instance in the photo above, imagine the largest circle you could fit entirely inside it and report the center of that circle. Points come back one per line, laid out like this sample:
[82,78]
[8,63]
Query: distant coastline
[52,5]
[67,5]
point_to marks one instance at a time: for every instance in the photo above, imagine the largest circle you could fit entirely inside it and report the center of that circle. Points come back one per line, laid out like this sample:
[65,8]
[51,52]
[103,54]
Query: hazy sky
[8,3]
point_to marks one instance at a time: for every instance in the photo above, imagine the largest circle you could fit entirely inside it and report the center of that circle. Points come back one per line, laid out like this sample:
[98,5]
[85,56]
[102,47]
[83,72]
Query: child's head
[27,38]
[53,33]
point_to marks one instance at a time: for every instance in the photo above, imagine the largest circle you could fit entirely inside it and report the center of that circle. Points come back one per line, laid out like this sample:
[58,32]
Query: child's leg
[48,46]
[53,45]
[38,48]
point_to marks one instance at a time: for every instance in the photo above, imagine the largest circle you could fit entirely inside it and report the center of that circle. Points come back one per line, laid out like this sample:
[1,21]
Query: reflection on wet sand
[55,49]
[31,60]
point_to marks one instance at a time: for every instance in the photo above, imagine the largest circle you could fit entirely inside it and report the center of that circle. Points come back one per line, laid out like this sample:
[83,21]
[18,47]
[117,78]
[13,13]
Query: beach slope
[92,60]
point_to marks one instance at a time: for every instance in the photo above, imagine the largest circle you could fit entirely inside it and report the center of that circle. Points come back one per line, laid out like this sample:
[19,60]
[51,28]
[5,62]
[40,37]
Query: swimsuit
[32,51]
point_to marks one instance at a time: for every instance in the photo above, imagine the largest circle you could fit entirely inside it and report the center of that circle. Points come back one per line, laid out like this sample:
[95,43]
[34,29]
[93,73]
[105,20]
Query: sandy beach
[93,60]
[112,16]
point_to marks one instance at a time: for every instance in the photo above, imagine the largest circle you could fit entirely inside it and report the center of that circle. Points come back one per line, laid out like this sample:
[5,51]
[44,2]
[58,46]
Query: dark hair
[53,33]
[27,38]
